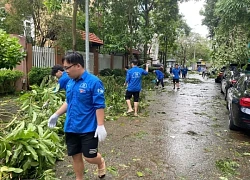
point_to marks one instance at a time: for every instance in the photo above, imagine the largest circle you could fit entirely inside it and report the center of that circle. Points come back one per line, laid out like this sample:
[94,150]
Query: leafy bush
[36,75]
[111,72]
[10,51]
[106,72]
[8,80]
[29,149]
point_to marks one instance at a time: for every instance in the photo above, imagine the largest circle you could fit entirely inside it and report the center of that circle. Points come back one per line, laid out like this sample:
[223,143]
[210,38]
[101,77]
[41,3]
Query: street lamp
[87,33]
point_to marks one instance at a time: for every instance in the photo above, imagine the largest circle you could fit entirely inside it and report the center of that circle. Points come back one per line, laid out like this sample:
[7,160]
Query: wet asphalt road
[185,137]
[197,135]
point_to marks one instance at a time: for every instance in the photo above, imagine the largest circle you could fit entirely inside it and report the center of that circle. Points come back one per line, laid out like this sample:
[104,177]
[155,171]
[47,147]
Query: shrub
[111,72]
[8,80]
[10,51]
[36,75]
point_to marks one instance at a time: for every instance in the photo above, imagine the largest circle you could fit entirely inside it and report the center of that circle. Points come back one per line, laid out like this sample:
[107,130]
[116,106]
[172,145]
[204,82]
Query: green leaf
[16,153]
[40,131]
[34,117]
[139,174]
[10,169]
[33,152]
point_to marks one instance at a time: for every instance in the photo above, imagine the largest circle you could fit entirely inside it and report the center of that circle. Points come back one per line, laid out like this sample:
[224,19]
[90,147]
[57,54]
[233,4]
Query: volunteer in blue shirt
[134,83]
[176,76]
[84,108]
[62,76]
[184,71]
[160,77]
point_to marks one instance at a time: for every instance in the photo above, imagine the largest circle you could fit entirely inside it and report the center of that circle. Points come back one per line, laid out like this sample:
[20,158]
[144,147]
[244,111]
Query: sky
[191,10]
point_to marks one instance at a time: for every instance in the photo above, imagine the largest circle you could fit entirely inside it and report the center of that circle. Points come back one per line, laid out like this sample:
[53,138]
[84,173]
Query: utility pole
[87,34]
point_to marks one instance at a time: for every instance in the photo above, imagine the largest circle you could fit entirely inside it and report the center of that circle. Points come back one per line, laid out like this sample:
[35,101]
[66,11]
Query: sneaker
[173,88]
[178,88]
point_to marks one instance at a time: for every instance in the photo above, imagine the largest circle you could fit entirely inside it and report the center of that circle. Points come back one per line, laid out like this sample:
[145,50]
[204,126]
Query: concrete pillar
[96,63]
[112,61]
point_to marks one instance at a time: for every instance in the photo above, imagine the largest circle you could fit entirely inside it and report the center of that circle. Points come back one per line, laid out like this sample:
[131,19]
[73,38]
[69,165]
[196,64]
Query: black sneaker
[178,88]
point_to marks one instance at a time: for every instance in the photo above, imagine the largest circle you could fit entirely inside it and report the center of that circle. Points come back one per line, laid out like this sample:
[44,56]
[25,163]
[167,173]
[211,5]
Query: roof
[92,37]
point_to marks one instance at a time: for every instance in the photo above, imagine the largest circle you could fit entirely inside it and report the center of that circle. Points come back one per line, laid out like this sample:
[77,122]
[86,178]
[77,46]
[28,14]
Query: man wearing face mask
[84,124]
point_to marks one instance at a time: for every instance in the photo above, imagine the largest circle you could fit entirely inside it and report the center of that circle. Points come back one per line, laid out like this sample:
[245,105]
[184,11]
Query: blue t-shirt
[63,80]
[184,71]
[134,78]
[159,74]
[176,72]
[83,96]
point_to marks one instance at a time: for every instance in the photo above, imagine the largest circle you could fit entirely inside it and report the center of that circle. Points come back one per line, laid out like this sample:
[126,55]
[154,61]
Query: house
[94,41]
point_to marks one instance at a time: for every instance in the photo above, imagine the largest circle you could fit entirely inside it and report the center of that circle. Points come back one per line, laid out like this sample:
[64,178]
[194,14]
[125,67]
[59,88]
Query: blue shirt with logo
[176,73]
[83,96]
[134,78]
[159,74]
[63,80]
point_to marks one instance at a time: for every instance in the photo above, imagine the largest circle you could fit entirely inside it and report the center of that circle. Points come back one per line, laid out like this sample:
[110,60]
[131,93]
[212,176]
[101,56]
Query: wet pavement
[185,137]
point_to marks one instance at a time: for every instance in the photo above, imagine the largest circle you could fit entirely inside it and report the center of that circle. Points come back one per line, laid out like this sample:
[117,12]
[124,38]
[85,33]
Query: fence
[43,56]
[46,57]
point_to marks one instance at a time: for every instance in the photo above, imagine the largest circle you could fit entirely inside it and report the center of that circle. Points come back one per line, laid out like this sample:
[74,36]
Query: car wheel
[226,95]
[231,122]
[227,105]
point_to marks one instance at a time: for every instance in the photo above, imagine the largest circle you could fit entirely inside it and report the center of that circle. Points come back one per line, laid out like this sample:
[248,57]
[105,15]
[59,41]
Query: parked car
[238,102]
[220,74]
[229,78]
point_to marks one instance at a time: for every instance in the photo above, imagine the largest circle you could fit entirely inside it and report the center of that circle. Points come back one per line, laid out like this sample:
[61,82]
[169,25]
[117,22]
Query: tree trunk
[75,6]
[166,52]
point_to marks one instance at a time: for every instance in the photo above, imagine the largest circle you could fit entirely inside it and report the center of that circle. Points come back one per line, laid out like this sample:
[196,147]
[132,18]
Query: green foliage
[227,167]
[8,80]
[29,149]
[10,51]
[228,24]
[37,74]
[111,72]
[231,49]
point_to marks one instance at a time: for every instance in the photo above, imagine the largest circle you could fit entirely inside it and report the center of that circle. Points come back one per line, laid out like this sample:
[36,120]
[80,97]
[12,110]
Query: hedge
[8,80]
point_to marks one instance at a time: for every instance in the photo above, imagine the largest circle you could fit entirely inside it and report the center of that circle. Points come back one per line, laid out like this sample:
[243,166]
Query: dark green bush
[111,72]
[36,75]
[106,72]
[8,80]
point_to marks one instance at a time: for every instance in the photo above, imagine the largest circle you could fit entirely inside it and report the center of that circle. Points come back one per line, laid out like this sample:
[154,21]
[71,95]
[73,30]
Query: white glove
[52,120]
[101,133]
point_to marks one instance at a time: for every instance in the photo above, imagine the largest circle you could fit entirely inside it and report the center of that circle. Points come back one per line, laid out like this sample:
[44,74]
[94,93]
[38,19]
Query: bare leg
[178,85]
[130,109]
[97,160]
[78,166]
[136,104]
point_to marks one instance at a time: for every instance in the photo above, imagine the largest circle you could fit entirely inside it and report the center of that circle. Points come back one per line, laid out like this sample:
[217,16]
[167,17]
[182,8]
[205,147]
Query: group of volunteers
[84,107]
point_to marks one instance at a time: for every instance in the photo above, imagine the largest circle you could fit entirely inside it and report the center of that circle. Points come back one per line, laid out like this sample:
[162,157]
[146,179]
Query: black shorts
[175,80]
[129,95]
[84,143]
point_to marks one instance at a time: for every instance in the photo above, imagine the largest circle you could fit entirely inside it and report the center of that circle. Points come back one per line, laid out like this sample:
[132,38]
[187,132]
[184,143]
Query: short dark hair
[56,68]
[134,61]
[73,57]
[176,64]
